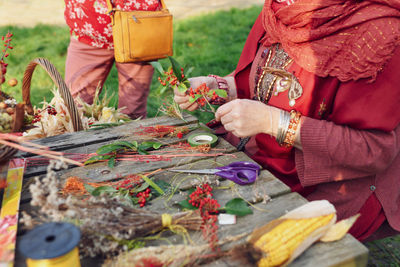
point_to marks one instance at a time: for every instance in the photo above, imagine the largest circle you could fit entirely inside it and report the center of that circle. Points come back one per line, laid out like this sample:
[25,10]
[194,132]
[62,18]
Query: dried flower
[105,222]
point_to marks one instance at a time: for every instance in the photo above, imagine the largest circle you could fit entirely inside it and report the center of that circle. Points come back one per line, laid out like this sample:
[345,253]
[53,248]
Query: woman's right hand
[182,99]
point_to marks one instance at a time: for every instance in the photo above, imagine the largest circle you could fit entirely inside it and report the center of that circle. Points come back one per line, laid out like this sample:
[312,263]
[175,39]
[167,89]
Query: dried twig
[40,150]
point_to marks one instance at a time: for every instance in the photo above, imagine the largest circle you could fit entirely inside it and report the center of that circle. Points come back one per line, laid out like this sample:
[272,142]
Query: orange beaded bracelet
[289,139]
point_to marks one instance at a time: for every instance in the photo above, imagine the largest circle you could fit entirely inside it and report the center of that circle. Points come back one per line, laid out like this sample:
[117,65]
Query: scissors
[240,172]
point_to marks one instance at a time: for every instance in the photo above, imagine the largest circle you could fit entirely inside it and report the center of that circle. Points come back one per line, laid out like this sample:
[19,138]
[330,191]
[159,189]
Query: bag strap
[163,6]
[110,7]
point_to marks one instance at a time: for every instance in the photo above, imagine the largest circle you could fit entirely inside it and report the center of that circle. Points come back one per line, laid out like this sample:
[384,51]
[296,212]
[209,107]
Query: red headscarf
[347,39]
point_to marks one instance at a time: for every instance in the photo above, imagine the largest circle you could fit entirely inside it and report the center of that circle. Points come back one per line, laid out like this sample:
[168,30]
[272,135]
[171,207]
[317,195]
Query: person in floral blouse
[90,54]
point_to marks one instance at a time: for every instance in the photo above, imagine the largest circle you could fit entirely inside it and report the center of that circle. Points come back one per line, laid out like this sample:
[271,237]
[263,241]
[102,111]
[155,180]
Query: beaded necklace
[273,73]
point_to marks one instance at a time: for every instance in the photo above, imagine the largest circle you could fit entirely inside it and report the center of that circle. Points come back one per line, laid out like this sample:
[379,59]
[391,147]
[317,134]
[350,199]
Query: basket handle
[60,83]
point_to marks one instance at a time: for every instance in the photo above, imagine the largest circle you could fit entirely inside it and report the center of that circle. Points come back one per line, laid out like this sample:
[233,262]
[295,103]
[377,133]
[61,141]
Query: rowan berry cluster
[143,197]
[201,93]
[202,198]
[49,109]
[203,191]
[125,184]
[7,45]
[37,118]
[170,78]
[130,185]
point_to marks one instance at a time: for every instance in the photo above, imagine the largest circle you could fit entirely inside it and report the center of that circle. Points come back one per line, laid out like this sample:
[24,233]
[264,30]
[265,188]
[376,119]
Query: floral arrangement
[133,190]
[175,78]
[54,119]
[201,198]
[108,226]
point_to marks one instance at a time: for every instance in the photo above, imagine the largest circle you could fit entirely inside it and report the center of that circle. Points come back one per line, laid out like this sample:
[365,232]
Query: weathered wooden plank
[347,252]
[34,170]
[101,172]
[265,187]
[70,140]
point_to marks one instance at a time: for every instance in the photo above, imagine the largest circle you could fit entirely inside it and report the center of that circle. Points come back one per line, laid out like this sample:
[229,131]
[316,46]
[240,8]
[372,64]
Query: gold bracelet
[292,129]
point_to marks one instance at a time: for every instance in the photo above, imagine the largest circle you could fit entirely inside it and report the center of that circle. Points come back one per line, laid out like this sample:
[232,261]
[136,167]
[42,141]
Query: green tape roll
[202,139]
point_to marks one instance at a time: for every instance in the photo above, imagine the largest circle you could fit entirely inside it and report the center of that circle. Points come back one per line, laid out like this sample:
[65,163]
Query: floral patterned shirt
[89,22]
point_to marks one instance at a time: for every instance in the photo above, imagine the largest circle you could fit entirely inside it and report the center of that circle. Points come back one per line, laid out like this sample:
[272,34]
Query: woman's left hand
[245,117]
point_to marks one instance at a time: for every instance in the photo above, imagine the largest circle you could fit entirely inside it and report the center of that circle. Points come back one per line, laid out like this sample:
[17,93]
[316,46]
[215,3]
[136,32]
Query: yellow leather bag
[141,35]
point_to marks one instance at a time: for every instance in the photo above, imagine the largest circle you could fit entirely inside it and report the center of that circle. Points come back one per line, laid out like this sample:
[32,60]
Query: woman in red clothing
[91,55]
[314,99]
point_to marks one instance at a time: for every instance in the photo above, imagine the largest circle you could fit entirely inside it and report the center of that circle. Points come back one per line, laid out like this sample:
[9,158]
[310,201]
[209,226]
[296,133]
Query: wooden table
[346,252]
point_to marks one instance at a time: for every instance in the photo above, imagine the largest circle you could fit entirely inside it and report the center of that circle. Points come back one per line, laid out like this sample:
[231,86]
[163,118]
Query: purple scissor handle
[240,172]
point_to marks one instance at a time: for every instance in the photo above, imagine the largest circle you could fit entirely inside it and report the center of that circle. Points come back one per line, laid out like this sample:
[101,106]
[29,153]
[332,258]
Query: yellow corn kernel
[279,243]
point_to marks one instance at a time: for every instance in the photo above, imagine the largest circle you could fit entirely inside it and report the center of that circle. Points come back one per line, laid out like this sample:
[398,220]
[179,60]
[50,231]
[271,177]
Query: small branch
[39,152]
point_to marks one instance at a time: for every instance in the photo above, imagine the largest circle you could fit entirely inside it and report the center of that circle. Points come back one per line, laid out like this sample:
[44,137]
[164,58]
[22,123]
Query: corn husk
[284,239]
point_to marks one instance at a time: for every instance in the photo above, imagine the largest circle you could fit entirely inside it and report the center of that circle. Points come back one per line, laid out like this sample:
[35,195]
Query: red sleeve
[359,138]
[333,153]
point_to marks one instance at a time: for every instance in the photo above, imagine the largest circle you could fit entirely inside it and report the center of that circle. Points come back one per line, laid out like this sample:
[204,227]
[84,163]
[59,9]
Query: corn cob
[282,240]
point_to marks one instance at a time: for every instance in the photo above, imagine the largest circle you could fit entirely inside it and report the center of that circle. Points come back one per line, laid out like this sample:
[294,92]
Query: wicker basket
[62,87]
[18,120]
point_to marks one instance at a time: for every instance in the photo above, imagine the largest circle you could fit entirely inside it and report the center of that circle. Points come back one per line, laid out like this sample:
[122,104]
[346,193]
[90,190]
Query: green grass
[210,43]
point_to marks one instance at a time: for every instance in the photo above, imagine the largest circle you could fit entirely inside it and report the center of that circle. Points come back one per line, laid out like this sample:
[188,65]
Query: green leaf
[149,144]
[220,93]
[97,158]
[135,143]
[111,162]
[193,99]
[158,67]
[109,148]
[127,144]
[182,88]
[162,89]
[163,185]
[104,125]
[237,206]
[89,188]
[185,204]
[186,82]
[176,67]
[188,71]
[128,200]
[142,152]
[152,184]
[156,145]
[103,189]
[142,187]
